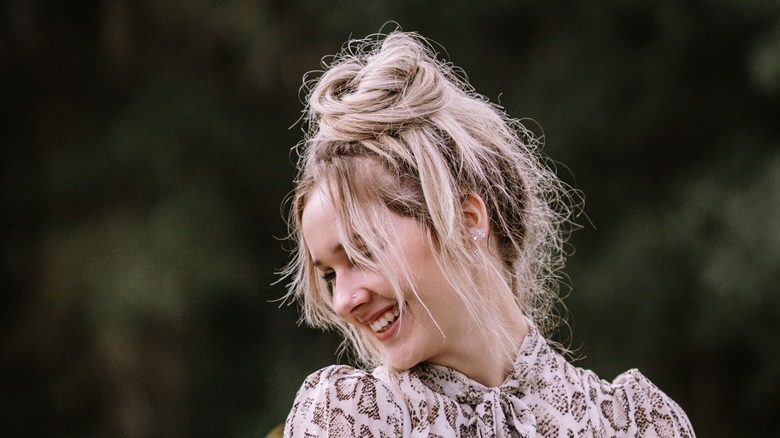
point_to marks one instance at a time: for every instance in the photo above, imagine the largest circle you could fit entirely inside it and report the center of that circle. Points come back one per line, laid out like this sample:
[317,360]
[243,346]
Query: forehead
[318,210]
[318,225]
[327,217]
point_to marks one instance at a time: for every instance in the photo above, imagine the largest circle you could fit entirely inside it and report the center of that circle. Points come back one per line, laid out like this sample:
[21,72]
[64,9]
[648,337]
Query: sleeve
[633,406]
[341,401]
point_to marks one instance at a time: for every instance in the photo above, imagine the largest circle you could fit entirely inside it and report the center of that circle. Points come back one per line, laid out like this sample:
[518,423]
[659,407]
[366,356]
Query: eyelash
[365,253]
[329,277]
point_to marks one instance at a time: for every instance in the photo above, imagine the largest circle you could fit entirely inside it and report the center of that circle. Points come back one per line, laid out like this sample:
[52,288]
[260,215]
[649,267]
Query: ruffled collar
[458,386]
[494,411]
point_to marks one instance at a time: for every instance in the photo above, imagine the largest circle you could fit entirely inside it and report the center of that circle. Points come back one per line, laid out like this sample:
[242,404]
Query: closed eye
[329,277]
[364,256]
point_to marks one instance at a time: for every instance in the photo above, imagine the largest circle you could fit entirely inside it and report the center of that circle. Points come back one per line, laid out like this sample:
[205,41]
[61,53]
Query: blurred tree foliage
[146,156]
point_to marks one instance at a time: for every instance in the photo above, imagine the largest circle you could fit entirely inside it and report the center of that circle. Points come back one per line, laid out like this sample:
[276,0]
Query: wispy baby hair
[392,126]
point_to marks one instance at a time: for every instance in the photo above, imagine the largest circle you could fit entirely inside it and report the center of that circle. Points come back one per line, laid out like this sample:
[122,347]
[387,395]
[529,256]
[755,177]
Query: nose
[349,293]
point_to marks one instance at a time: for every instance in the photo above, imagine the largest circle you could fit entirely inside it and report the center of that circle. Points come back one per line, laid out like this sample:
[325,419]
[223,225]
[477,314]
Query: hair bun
[376,89]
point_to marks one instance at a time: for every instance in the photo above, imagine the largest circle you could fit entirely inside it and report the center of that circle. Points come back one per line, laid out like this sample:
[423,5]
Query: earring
[354,295]
[479,233]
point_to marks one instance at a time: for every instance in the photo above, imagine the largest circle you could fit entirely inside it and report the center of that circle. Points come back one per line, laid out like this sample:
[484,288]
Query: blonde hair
[392,129]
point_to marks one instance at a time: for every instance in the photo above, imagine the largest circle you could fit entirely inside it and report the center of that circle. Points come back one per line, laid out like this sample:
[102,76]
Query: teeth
[384,320]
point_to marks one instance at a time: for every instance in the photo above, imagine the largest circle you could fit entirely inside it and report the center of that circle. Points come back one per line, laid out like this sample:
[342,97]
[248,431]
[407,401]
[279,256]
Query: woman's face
[366,300]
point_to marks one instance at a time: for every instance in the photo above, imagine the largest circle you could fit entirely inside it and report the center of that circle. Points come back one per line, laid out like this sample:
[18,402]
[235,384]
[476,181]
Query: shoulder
[632,404]
[655,412]
[344,401]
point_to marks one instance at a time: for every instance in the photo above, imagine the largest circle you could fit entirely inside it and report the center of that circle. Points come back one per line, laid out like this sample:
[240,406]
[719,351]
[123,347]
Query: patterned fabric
[543,396]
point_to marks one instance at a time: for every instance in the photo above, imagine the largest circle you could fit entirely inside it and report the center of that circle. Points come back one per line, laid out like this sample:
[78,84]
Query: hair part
[393,130]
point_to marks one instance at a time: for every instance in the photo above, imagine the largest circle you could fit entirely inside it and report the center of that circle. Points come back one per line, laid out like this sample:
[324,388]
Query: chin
[401,362]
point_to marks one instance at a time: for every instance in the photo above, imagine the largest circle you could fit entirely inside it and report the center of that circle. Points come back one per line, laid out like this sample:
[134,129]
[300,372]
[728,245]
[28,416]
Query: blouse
[543,395]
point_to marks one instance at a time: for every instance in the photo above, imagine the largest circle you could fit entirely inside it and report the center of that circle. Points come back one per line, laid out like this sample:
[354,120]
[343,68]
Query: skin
[413,337]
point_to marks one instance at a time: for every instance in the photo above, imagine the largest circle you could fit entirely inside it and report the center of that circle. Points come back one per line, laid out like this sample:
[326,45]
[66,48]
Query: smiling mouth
[385,321]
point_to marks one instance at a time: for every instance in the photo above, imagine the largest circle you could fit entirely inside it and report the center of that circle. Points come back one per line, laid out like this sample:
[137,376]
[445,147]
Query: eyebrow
[339,248]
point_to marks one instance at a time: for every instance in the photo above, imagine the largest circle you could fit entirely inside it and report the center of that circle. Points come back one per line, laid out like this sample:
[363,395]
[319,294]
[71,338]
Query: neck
[495,371]
[482,365]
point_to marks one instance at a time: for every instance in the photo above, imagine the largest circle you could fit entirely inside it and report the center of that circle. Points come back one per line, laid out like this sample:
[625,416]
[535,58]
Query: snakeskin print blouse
[544,396]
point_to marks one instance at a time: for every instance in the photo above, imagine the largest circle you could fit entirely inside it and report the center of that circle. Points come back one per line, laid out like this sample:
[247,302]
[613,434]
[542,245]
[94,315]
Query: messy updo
[392,129]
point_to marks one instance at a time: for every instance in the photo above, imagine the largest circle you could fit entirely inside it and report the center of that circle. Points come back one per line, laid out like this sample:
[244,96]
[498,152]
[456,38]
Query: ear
[475,216]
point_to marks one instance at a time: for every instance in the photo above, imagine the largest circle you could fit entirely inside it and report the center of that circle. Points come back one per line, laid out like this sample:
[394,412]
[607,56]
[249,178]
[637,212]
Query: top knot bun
[370,90]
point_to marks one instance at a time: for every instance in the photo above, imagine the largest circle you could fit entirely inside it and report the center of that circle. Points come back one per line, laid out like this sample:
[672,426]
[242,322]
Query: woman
[430,235]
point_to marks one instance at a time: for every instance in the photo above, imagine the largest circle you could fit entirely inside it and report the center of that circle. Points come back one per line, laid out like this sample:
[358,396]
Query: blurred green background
[146,155]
